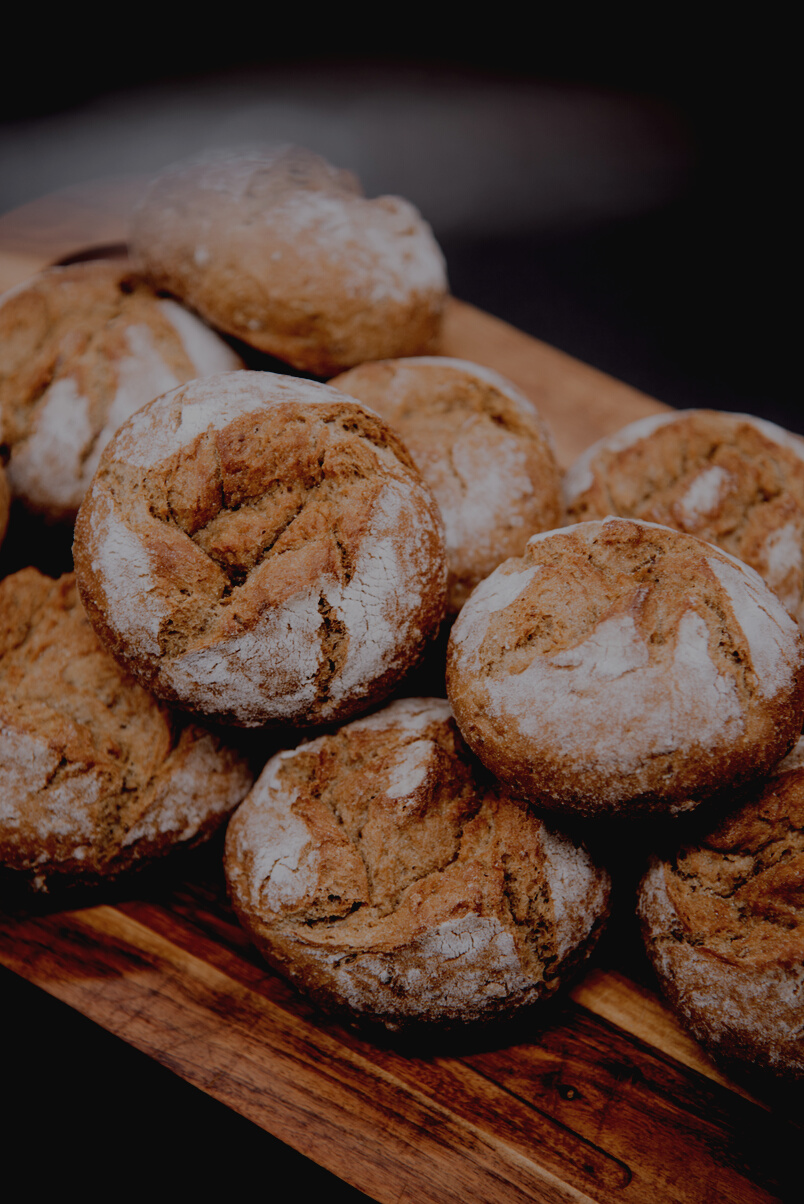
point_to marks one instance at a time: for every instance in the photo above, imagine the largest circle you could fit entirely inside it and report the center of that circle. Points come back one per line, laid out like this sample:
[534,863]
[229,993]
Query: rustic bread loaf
[260,549]
[734,480]
[278,247]
[481,447]
[96,777]
[83,348]
[383,872]
[723,922]
[620,666]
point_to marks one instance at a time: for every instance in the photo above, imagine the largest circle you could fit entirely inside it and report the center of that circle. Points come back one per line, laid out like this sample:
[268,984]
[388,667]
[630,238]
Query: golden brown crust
[260,549]
[723,921]
[731,479]
[281,249]
[384,873]
[621,666]
[95,775]
[481,447]
[83,348]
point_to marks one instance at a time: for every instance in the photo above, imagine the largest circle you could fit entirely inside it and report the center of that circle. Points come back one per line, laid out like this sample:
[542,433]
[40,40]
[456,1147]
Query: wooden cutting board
[603,1097]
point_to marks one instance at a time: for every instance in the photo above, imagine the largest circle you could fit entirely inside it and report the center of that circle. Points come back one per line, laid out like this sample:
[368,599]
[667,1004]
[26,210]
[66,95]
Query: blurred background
[620,189]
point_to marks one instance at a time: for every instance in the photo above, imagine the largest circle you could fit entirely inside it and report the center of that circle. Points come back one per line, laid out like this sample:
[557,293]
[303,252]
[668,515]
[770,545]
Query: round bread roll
[260,549]
[278,247]
[96,777]
[387,875]
[83,348]
[723,921]
[734,480]
[620,666]
[481,447]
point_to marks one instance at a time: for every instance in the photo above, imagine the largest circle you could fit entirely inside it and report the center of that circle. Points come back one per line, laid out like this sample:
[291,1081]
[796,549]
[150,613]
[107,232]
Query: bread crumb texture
[84,347]
[723,921]
[482,448]
[623,666]
[95,775]
[385,873]
[260,549]
[732,479]
[275,245]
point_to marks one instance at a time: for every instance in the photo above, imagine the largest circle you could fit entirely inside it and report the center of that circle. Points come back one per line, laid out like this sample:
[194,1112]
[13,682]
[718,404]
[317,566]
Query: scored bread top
[623,664]
[261,549]
[95,774]
[732,479]
[482,448]
[382,869]
[723,920]
[83,348]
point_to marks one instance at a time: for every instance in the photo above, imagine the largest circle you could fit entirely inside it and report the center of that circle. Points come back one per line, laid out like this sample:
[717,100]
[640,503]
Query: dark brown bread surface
[280,248]
[96,776]
[387,875]
[83,348]
[259,548]
[731,479]
[481,447]
[623,667]
[723,922]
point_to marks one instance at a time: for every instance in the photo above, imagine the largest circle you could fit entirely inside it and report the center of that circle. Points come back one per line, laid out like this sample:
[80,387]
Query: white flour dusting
[413,715]
[208,352]
[410,769]
[577,890]
[703,495]
[771,633]
[121,562]
[47,467]
[578,477]
[782,555]
[650,709]
[497,592]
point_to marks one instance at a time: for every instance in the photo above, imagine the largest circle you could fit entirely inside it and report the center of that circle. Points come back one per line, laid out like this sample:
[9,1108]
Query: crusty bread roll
[260,549]
[96,776]
[623,667]
[732,479]
[281,249]
[387,875]
[723,922]
[480,445]
[83,348]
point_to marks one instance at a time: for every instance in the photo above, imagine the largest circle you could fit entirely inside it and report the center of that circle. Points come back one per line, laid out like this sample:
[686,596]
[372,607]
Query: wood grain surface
[600,1097]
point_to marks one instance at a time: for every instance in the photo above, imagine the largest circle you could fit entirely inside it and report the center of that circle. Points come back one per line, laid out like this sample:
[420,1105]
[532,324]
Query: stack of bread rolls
[261,549]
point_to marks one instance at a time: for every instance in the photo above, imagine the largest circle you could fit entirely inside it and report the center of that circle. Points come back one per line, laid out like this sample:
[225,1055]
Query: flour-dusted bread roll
[260,549]
[620,666]
[482,448]
[278,247]
[723,921]
[83,348]
[734,480]
[96,777]
[386,874]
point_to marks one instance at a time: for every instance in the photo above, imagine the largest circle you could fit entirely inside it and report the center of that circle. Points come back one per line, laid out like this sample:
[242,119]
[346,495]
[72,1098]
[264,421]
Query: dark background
[689,298]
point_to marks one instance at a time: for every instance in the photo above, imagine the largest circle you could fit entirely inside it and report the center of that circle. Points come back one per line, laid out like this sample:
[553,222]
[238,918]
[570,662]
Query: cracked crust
[625,667]
[723,922]
[96,777]
[386,874]
[481,447]
[83,348]
[731,479]
[279,248]
[260,549]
